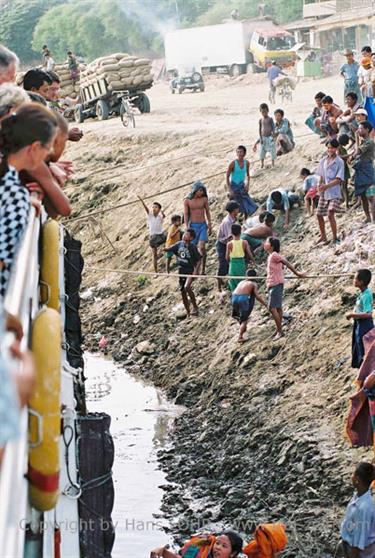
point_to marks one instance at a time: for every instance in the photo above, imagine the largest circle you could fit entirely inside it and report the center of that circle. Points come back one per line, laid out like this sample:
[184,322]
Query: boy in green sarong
[238,251]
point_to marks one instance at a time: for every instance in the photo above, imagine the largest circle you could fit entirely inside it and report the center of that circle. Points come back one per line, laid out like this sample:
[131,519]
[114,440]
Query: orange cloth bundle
[366,63]
[270,538]
[199,546]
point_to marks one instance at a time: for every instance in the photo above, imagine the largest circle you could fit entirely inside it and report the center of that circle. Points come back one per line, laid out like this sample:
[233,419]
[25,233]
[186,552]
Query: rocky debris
[261,439]
[179,312]
[145,348]
[262,436]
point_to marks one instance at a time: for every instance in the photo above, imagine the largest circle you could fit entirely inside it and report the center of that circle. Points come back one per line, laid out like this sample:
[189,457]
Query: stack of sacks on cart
[121,71]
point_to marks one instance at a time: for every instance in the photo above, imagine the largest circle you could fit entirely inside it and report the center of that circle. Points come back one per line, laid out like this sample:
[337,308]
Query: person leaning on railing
[54,199]
[26,138]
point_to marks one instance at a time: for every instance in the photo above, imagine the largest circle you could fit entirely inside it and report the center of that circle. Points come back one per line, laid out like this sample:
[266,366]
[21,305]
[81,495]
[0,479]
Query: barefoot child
[362,315]
[275,282]
[197,216]
[155,224]
[243,299]
[310,189]
[174,235]
[266,136]
[224,235]
[332,173]
[188,259]
[237,249]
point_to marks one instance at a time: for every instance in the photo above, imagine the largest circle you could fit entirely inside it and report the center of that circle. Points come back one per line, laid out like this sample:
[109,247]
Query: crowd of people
[33,173]
[349,159]
[347,135]
[33,136]
[238,245]
[352,129]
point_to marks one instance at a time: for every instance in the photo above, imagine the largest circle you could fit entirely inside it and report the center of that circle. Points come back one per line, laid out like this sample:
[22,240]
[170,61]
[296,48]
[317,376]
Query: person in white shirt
[364,77]
[155,219]
[49,61]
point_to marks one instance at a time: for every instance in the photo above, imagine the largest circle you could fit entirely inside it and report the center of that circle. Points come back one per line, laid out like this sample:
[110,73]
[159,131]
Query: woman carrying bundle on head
[26,138]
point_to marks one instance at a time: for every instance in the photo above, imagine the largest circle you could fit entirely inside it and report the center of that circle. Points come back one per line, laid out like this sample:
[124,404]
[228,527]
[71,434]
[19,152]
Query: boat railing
[22,301]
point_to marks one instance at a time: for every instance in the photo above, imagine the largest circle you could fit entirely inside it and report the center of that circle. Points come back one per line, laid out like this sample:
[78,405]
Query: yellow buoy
[44,408]
[49,270]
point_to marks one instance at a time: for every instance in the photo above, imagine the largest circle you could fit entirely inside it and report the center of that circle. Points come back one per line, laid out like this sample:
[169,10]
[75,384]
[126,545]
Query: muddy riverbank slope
[263,435]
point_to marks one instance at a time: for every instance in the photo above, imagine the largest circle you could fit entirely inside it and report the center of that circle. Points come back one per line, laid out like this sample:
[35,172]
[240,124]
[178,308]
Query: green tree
[90,29]
[96,27]
[221,10]
[287,11]
[18,19]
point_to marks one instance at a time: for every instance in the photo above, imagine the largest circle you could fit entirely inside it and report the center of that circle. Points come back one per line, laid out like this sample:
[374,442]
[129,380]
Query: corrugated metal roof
[343,19]
[346,19]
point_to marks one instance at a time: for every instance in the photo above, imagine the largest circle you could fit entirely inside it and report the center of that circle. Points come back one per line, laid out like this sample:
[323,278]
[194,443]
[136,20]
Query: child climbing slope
[275,282]
[243,300]
[174,235]
[237,250]
[155,219]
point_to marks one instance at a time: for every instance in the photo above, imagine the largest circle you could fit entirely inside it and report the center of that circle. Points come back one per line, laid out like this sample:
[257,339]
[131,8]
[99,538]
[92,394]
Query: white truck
[235,47]
[221,47]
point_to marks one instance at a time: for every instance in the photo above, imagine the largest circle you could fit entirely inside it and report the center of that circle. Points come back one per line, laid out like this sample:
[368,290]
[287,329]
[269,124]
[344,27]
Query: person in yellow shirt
[174,236]
[238,251]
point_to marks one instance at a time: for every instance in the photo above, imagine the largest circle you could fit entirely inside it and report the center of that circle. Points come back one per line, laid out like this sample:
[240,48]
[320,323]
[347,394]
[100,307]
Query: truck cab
[272,44]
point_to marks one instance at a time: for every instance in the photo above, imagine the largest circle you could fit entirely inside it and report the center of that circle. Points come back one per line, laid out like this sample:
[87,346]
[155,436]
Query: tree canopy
[93,28]
[90,29]
[18,19]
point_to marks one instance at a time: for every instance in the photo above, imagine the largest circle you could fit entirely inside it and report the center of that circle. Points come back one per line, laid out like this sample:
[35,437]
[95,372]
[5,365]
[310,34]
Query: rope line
[156,194]
[146,167]
[226,277]
[112,208]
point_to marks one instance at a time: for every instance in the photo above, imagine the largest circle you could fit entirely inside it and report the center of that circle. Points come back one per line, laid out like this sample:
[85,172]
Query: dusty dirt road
[230,105]
[262,438]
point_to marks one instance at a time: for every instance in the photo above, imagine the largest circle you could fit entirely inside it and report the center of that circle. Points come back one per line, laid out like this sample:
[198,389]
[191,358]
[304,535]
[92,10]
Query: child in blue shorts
[266,136]
[243,300]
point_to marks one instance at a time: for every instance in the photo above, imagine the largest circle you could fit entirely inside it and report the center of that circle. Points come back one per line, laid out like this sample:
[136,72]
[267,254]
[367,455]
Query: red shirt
[275,270]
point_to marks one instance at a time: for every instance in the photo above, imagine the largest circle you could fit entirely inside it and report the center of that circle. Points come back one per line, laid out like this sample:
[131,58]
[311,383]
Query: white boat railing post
[22,301]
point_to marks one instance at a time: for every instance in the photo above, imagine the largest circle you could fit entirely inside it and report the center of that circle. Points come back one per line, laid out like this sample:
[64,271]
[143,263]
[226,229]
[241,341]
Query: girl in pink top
[275,282]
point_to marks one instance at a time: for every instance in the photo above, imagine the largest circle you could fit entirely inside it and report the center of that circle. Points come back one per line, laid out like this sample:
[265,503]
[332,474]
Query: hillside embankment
[262,438]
